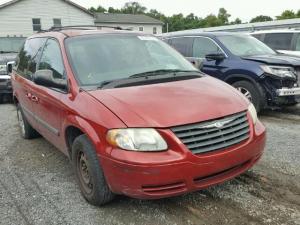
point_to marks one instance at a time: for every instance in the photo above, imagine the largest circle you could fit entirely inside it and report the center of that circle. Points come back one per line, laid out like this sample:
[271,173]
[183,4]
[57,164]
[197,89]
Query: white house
[133,22]
[25,17]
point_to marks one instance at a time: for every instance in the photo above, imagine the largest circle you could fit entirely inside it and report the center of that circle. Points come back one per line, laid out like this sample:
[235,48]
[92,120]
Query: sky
[244,9]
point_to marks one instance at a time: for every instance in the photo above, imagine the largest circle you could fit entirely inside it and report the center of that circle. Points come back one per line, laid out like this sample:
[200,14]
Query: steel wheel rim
[21,122]
[84,174]
[245,92]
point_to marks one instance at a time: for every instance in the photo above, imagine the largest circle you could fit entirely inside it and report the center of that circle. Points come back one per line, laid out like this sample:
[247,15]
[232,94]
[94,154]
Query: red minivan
[132,114]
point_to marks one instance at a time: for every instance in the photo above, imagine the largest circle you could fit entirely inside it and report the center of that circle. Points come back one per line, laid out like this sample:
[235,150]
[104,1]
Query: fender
[86,128]
[241,77]
[260,88]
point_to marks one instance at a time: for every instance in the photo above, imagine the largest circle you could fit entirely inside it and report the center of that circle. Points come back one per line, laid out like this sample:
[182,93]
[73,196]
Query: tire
[1,99]
[251,92]
[89,173]
[27,131]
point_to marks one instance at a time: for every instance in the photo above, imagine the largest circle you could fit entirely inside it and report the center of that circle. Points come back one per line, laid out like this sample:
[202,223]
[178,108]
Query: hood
[279,59]
[6,57]
[174,103]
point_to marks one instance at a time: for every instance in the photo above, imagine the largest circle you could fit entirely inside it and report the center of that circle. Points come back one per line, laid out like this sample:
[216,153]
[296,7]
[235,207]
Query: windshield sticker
[147,38]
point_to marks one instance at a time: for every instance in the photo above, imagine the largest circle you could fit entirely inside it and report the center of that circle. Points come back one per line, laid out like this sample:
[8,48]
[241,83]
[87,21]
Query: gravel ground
[37,186]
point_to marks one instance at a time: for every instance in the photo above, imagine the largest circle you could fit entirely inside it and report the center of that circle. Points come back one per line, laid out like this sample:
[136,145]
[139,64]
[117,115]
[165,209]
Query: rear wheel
[1,99]
[251,92]
[89,173]
[27,131]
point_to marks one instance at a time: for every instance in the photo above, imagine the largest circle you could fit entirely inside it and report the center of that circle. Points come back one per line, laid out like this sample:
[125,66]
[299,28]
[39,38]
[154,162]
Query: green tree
[212,21]
[261,18]
[223,16]
[236,21]
[298,14]
[287,14]
[113,10]
[133,8]
[100,9]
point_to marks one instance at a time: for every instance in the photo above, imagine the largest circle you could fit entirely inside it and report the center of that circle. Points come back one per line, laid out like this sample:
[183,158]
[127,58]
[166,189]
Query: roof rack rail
[79,27]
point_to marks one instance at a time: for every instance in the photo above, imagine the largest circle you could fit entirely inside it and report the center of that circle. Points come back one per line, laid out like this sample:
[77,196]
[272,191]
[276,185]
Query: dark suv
[266,78]
[9,48]
[133,115]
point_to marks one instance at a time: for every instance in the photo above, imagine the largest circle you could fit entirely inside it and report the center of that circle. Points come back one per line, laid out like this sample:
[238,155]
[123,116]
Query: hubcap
[245,92]
[21,122]
[83,171]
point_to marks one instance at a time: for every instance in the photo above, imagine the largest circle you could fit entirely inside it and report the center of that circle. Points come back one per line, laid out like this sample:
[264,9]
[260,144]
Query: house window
[36,24]
[57,22]
[154,30]
[141,28]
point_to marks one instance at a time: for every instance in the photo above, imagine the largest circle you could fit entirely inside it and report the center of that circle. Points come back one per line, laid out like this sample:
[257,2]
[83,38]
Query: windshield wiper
[145,75]
[162,71]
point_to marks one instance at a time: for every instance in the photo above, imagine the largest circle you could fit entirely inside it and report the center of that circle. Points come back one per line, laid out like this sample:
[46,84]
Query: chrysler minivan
[132,114]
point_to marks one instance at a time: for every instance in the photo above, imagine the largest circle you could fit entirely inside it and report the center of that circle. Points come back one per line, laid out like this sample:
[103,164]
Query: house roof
[125,18]
[67,1]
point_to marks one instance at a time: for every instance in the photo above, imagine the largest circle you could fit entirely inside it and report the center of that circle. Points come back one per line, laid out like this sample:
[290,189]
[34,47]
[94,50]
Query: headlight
[253,113]
[279,71]
[3,69]
[137,139]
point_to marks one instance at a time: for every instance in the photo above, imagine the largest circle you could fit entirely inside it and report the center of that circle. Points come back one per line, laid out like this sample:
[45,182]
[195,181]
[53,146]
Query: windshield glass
[245,45]
[11,44]
[97,58]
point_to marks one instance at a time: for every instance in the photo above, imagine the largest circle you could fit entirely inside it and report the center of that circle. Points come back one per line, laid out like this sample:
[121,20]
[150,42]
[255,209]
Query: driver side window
[203,46]
[51,59]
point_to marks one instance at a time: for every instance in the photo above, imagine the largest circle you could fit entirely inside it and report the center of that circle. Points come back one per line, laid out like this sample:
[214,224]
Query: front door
[203,46]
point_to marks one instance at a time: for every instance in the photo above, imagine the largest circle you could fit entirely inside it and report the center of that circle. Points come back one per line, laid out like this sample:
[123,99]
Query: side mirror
[45,78]
[216,57]
[9,66]
[197,62]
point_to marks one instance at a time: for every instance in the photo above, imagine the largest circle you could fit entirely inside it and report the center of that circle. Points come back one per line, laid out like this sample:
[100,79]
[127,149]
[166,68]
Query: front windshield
[10,44]
[245,45]
[98,58]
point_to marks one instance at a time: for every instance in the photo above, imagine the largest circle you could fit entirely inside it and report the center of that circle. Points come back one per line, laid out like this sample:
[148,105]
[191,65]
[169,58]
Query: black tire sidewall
[101,193]
[257,98]
[30,132]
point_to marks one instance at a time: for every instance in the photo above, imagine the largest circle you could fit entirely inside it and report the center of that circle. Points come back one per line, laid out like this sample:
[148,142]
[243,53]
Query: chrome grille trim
[200,139]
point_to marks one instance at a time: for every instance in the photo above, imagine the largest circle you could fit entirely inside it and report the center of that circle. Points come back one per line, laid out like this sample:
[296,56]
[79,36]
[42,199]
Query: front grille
[214,134]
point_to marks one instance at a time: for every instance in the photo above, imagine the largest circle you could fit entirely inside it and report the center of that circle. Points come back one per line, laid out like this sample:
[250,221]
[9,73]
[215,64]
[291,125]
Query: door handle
[28,95]
[34,98]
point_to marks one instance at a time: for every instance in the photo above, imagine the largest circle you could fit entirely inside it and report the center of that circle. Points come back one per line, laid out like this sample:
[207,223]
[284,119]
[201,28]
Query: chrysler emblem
[218,124]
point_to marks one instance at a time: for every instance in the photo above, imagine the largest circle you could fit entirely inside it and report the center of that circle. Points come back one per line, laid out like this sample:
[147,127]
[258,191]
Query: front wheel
[89,173]
[251,92]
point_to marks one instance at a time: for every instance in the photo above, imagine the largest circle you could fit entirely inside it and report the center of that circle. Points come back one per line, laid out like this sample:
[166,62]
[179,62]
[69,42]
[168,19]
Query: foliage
[180,22]
[261,18]
[287,14]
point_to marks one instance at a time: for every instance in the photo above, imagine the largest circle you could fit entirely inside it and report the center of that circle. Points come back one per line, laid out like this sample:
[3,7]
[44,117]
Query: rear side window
[258,36]
[51,59]
[28,57]
[203,46]
[183,45]
[279,41]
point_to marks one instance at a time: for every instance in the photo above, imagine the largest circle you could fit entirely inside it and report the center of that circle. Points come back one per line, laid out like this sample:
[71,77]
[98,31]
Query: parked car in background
[133,115]
[284,41]
[9,48]
[266,78]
